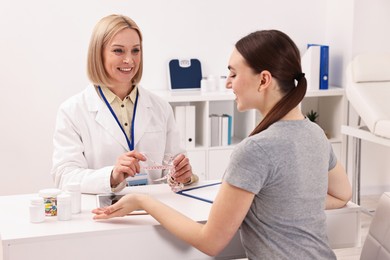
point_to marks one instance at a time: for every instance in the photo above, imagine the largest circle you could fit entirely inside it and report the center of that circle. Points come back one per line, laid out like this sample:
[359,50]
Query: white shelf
[332,91]
[210,162]
[195,95]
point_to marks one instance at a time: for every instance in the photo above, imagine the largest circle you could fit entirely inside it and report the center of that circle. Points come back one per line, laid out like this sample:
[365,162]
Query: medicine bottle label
[50,206]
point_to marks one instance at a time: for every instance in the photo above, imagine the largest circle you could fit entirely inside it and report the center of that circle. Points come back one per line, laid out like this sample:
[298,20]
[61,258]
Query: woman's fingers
[183,169]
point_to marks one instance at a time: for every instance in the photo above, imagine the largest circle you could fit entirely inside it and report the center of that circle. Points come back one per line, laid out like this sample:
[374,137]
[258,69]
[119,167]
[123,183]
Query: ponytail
[288,102]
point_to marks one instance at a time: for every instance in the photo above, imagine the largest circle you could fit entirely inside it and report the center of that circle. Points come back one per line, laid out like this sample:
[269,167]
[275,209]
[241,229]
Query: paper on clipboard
[205,193]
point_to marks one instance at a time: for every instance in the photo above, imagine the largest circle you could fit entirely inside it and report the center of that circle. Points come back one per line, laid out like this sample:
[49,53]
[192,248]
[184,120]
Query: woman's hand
[126,165]
[183,169]
[122,207]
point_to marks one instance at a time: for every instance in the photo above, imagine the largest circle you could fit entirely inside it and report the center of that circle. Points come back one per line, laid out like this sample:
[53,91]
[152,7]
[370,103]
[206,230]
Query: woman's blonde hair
[103,32]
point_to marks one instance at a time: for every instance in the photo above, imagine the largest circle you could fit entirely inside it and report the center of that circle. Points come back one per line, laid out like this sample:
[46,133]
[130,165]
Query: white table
[131,237]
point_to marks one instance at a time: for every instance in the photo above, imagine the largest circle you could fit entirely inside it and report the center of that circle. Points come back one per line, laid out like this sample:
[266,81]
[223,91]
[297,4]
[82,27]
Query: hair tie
[299,76]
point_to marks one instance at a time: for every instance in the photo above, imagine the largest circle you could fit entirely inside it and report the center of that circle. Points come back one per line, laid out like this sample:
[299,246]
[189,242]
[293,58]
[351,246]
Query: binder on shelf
[226,135]
[190,127]
[220,130]
[214,130]
[315,65]
[324,66]
[230,129]
[224,130]
[185,74]
[185,121]
[180,117]
[311,67]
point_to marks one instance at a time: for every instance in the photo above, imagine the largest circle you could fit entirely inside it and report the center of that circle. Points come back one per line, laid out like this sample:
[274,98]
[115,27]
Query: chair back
[377,243]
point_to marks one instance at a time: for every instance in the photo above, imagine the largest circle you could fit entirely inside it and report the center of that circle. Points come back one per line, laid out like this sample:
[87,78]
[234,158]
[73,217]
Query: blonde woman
[103,133]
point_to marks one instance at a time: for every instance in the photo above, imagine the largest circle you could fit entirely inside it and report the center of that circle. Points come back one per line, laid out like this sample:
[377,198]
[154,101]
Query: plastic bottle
[50,200]
[203,85]
[37,210]
[73,189]
[64,207]
[211,83]
[222,83]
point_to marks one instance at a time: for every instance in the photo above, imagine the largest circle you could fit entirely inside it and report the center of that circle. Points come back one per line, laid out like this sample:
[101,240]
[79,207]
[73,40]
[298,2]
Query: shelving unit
[331,107]
[210,162]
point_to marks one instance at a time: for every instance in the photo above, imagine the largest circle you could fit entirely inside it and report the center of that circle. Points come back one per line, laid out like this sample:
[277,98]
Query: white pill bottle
[73,189]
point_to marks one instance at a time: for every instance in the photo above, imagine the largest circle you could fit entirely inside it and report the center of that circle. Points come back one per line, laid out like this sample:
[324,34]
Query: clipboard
[206,193]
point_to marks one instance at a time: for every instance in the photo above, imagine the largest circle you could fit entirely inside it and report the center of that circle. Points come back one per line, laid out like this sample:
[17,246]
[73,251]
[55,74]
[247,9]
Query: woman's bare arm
[339,188]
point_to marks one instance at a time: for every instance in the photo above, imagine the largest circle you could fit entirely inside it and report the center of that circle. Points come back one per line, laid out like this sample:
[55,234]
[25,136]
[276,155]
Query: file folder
[226,129]
[311,66]
[180,117]
[323,65]
[190,127]
[215,136]
[185,121]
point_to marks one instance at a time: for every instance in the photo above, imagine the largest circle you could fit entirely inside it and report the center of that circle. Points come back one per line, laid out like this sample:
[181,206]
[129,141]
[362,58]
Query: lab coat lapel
[143,115]
[105,118]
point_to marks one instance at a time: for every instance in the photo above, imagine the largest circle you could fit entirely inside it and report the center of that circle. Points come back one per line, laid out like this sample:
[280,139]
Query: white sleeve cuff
[119,187]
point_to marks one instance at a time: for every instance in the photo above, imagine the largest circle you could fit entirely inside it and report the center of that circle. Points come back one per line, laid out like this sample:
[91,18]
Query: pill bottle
[222,83]
[64,207]
[211,83]
[37,210]
[203,85]
[50,200]
[73,189]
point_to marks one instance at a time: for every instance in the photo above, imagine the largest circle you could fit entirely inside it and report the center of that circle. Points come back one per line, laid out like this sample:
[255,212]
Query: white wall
[371,26]
[339,34]
[43,47]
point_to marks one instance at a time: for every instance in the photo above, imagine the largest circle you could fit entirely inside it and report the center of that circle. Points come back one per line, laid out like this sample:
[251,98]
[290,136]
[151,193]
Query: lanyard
[130,143]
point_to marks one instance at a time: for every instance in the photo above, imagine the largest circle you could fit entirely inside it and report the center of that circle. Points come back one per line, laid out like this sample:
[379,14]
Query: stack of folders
[315,65]
[185,120]
[220,130]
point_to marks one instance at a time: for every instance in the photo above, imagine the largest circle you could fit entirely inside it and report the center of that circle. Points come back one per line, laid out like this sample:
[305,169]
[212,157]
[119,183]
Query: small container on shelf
[222,83]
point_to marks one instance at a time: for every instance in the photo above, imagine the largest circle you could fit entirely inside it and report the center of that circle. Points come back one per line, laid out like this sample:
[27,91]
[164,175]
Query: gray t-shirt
[286,167]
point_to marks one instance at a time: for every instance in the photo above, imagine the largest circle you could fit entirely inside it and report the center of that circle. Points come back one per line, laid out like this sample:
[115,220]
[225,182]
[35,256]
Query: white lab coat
[87,139]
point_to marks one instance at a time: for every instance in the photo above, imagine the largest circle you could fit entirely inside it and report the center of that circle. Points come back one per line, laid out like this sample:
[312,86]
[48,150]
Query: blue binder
[185,74]
[324,65]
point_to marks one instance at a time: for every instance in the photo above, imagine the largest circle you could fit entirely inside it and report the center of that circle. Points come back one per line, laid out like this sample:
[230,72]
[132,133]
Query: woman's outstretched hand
[124,206]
